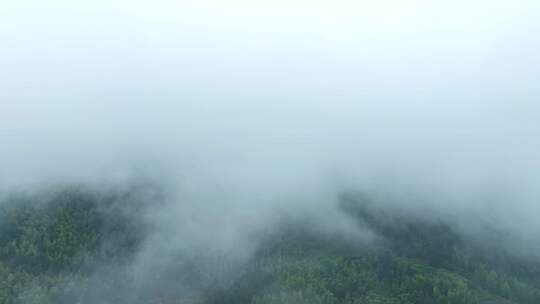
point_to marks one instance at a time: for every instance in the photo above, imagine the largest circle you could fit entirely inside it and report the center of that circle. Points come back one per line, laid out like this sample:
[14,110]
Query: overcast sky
[271,101]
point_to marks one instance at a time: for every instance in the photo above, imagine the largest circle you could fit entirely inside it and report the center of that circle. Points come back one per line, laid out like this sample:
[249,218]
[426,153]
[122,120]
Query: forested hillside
[76,245]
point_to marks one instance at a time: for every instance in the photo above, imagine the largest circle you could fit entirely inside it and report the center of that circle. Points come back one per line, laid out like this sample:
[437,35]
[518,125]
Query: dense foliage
[75,246]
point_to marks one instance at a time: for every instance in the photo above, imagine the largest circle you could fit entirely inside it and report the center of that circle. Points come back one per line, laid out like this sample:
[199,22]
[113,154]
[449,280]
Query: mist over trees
[77,245]
[208,151]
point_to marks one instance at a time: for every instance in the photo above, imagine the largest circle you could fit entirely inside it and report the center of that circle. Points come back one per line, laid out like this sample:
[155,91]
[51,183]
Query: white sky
[82,83]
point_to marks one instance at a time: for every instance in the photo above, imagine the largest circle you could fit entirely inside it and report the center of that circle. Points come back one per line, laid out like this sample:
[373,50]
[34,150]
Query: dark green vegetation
[77,246]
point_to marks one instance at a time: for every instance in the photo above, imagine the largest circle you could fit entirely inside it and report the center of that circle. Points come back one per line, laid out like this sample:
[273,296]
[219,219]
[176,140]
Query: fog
[247,112]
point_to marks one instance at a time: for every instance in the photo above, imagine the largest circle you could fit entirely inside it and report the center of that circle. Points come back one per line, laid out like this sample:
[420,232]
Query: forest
[76,245]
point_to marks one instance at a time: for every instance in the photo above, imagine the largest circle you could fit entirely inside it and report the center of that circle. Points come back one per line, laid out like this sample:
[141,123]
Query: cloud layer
[245,112]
